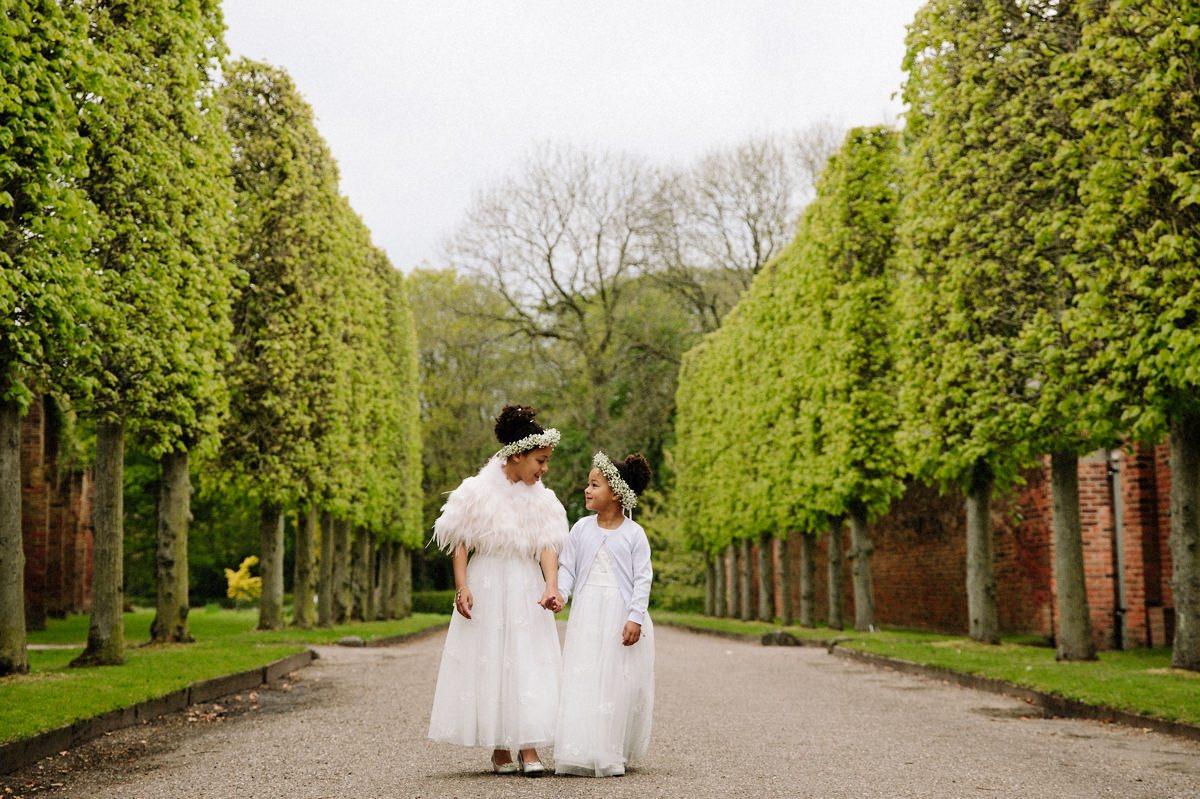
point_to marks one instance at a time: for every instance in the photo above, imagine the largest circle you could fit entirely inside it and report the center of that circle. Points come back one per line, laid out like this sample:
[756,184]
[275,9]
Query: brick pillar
[1141,475]
[1163,617]
[57,535]
[1096,530]
[81,579]
[35,513]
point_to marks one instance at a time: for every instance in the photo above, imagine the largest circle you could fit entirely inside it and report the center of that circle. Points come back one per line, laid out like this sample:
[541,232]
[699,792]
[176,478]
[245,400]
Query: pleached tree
[1139,126]
[846,244]
[156,178]
[989,370]
[285,331]
[47,294]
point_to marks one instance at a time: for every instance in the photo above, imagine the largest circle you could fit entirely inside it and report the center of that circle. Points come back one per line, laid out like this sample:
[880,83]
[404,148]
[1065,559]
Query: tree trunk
[808,580]
[341,571]
[786,578]
[835,573]
[787,613]
[360,562]
[1074,617]
[744,580]
[735,594]
[270,606]
[404,584]
[171,556]
[766,578]
[860,566]
[710,586]
[325,580]
[982,613]
[14,656]
[304,573]
[1185,540]
[371,606]
[720,592]
[387,578]
[106,632]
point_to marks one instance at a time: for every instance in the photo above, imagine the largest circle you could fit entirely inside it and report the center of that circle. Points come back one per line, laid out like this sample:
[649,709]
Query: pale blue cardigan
[629,550]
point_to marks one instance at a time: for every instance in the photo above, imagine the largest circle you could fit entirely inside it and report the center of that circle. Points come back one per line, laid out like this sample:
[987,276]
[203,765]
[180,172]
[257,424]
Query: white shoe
[504,768]
[534,769]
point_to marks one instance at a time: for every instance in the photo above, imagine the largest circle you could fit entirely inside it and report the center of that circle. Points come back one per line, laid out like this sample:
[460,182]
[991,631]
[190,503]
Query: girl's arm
[463,601]
[639,601]
[643,574]
[566,569]
[549,561]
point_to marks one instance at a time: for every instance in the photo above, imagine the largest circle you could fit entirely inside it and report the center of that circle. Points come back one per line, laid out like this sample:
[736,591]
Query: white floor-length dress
[607,702]
[498,683]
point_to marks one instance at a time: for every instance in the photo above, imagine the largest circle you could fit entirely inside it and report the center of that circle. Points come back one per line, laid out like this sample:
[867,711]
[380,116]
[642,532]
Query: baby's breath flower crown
[615,481]
[546,438]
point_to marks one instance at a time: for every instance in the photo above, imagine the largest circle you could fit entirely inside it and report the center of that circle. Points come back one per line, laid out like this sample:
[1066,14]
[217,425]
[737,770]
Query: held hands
[463,601]
[552,601]
[631,633]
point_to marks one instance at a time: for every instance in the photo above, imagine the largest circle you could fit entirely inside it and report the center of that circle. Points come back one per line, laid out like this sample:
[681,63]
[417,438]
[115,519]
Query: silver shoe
[534,769]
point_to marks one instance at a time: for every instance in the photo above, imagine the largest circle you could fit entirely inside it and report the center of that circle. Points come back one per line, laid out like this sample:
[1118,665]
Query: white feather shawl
[493,515]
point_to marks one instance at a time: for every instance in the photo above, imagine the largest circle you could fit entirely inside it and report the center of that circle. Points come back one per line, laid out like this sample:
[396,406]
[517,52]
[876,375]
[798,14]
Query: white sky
[425,103]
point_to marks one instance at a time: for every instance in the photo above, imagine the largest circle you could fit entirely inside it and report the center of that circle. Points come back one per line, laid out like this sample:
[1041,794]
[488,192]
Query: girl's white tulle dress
[607,701]
[498,684]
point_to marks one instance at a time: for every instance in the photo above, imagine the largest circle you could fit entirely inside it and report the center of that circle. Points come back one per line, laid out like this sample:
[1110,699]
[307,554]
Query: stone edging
[16,754]
[392,640]
[1049,704]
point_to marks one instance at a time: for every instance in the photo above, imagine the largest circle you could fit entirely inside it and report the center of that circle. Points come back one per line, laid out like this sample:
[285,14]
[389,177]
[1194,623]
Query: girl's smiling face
[529,467]
[598,496]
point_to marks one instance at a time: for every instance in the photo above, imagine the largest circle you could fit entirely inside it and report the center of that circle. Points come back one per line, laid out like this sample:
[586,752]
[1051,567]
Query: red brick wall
[919,560]
[55,524]
[35,515]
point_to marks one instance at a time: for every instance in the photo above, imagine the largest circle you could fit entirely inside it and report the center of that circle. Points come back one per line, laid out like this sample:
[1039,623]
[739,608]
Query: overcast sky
[424,103]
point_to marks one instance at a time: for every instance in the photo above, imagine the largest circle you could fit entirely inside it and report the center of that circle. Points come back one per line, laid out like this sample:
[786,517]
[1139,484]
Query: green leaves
[990,370]
[785,414]
[1137,121]
[324,376]
[159,177]
[47,294]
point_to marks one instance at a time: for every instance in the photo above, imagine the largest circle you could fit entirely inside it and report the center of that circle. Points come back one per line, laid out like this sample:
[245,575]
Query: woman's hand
[463,601]
[631,633]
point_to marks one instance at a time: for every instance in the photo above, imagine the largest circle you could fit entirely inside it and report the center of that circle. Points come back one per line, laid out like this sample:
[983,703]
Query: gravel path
[731,719]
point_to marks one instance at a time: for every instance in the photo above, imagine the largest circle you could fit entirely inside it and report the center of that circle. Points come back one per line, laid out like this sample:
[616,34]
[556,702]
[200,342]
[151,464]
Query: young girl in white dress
[608,659]
[498,683]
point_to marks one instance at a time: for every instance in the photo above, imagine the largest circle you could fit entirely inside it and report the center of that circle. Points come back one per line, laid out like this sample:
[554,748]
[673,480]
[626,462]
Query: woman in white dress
[498,683]
[608,659]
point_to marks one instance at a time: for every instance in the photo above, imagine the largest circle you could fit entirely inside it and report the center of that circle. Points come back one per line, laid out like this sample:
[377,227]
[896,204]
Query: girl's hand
[463,601]
[551,601]
[631,633]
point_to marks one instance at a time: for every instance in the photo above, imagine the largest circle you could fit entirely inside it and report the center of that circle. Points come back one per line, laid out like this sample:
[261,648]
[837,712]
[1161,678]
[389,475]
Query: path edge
[1049,704]
[26,751]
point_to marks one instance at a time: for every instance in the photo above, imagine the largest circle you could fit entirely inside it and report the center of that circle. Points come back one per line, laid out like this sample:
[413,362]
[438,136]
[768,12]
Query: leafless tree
[562,241]
[719,221]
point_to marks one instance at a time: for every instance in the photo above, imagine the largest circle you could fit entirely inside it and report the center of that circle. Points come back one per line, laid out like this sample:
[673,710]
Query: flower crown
[615,481]
[546,438]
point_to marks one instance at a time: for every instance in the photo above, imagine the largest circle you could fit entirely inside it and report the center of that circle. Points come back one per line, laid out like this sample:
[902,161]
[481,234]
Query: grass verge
[53,694]
[1138,680]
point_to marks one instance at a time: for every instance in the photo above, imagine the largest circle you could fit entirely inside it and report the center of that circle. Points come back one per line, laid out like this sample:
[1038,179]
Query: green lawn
[53,694]
[1138,680]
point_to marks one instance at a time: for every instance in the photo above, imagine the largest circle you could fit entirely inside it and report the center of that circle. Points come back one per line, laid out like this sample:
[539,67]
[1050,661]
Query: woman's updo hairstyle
[635,471]
[515,422]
